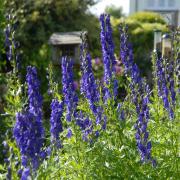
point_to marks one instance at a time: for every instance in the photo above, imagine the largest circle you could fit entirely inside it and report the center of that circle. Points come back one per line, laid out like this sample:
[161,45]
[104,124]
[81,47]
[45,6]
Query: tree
[38,19]
[116,12]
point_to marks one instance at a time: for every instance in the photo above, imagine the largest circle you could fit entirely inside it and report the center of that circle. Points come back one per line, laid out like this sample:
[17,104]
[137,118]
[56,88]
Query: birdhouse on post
[166,45]
[65,44]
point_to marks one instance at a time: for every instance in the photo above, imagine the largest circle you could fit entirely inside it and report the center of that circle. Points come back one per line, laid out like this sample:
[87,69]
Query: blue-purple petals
[69,133]
[140,97]
[28,130]
[34,96]
[25,174]
[88,84]
[69,93]
[9,173]
[55,121]
[29,138]
[11,45]
[120,112]
[164,76]
[108,58]
[85,125]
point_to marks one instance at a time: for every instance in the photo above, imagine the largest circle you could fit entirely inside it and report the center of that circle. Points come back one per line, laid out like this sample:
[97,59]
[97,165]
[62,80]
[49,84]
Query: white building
[169,9]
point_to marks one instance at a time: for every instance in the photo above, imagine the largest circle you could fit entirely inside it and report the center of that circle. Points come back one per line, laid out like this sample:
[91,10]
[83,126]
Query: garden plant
[93,132]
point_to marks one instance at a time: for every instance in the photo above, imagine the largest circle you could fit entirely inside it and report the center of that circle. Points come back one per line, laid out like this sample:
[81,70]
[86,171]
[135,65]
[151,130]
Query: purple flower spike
[108,57]
[25,174]
[55,121]
[165,84]
[88,84]
[69,93]
[69,133]
[28,130]
[140,96]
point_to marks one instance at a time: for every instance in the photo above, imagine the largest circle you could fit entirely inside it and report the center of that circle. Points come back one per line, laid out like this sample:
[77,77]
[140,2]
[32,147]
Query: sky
[100,7]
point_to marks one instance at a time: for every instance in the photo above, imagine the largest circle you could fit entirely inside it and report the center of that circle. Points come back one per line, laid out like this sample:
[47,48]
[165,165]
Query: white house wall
[144,5]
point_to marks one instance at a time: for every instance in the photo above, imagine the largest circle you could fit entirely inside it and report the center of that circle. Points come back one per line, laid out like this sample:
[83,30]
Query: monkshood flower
[136,84]
[19,172]
[170,79]
[159,75]
[34,96]
[178,74]
[8,42]
[28,129]
[9,173]
[29,134]
[70,96]
[164,76]
[85,125]
[124,50]
[143,144]
[25,174]
[55,121]
[69,133]
[5,151]
[88,84]
[11,45]
[8,152]
[108,56]
[110,43]
[120,111]
[140,97]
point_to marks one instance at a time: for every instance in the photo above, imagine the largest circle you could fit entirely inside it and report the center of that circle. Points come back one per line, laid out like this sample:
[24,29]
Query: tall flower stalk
[55,121]
[11,45]
[164,79]
[140,97]
[69,93]
[108,57]
[86,126]
[89,86]
[34,96]
[28,130]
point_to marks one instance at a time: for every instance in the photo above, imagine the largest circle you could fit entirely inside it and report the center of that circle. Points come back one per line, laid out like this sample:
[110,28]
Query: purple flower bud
[24,161]
[43,155]
[154,163]
[105,123]
[48,150]
[140,96]
[9,173]
[25,174]
[19,172]
[70,96]
[97,133]
[55,120]
[28,130]
[5,144]
[69,133]
[149,146]
[6,160]
[108,55]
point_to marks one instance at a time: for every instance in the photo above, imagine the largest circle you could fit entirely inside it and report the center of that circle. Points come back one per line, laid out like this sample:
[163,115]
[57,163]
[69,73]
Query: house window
[150,3]
[161,3]
[171,3]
